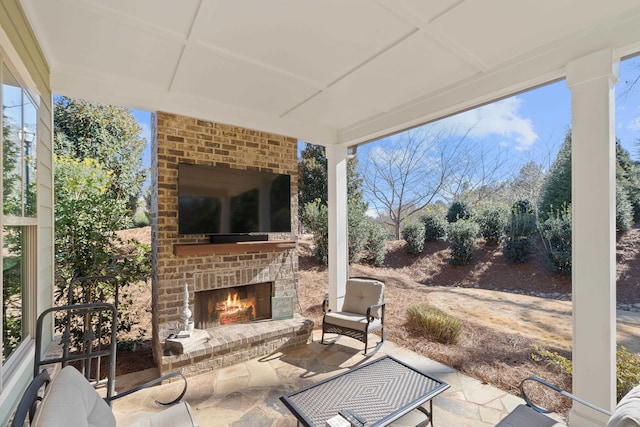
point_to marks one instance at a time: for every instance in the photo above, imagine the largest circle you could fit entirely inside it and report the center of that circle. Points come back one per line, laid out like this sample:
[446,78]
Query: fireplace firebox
[228,306]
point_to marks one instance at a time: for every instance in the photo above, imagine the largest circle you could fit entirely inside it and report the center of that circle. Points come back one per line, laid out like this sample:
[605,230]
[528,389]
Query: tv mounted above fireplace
[227,203]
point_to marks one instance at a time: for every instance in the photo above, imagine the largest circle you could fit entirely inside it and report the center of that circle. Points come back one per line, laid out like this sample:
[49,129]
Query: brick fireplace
[255,272]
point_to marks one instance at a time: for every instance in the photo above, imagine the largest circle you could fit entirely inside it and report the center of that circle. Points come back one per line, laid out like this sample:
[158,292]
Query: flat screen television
[221,201]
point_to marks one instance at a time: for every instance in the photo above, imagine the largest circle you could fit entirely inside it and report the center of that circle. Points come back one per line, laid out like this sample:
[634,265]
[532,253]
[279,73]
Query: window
[19,208]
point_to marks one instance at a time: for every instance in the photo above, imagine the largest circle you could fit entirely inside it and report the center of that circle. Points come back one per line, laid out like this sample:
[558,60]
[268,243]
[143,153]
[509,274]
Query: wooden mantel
[200,249]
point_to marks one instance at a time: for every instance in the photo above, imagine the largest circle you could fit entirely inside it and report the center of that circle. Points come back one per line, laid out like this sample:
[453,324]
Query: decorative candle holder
[186,314]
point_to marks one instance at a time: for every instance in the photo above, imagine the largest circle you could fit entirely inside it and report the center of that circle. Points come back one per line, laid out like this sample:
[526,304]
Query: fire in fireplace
[229,306]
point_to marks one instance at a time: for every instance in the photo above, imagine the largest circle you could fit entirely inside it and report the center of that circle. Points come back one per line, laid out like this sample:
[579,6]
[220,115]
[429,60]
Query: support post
[338,232]
[591,80]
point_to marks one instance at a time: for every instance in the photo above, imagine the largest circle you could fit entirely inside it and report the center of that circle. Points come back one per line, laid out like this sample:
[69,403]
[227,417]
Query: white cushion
[627,413]
[362,293]
[70,401]
[352,321]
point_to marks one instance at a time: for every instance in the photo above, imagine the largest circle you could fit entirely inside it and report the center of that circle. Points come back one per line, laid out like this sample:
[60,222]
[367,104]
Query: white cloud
[501,119]
[634,125]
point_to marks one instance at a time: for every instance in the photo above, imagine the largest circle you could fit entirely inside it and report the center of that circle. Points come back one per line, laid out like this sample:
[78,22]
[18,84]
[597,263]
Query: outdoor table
[377,393]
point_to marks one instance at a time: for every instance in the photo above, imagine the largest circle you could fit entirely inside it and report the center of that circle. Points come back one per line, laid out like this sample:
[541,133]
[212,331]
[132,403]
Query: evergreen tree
[556,190]
[312,173]
[628,181]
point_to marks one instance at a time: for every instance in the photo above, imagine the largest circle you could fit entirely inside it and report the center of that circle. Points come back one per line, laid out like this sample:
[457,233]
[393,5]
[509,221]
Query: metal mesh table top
[379,391]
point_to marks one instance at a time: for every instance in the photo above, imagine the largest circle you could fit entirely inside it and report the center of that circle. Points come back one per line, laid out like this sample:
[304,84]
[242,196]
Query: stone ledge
[238,343]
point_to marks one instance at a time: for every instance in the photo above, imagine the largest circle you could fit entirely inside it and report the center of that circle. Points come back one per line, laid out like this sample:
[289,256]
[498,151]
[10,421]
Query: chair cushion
[362,293]
[351,321]
[71,401]
[627,413]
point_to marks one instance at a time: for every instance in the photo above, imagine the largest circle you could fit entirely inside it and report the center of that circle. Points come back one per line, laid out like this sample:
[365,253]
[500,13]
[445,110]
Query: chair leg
[366,344]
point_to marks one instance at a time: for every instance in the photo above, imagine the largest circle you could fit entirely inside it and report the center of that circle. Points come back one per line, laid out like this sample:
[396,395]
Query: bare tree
[410,171]
[480,172]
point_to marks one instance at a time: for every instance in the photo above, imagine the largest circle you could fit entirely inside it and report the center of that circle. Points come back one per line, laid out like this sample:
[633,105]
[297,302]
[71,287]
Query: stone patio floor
[247,394]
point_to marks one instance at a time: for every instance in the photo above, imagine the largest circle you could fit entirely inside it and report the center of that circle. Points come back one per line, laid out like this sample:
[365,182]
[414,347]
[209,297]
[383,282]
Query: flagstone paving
[247,394]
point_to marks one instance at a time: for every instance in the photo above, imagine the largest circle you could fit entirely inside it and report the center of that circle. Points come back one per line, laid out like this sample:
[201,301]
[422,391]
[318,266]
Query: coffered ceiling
[324,71]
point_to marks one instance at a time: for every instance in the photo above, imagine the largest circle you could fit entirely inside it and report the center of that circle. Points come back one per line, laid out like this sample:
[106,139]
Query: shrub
[357,231]
[517,246]
[435,227]
[462,237]
[315,217]
[556,236]
[492,221]
[459,210]
[433,323]
[522,222]
[413,234]
[376,246]
[634,198]
[517,250]
[627,371]
[141,219]
[624,210]
[627,367]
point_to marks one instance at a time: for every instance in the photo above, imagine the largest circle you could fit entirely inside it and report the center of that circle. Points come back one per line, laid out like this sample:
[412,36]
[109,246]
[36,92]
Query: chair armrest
[325,305]
[557,390]
[152,383]
[382,305]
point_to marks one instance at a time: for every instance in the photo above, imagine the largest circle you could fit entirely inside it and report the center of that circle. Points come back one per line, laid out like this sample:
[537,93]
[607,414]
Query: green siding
[14,24]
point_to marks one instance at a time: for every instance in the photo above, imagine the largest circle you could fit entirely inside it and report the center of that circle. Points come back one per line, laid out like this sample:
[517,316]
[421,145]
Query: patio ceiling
[324,71]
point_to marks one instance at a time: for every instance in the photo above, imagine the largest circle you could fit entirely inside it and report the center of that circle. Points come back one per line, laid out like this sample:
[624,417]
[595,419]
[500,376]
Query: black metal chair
[532,415]
[362,312]
[88,337]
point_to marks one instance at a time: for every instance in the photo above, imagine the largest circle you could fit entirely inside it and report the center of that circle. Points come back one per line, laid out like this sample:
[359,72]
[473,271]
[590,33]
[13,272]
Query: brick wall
[179,139]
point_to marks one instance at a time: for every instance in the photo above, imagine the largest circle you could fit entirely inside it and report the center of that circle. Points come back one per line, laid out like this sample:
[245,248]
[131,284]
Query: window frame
[24,351]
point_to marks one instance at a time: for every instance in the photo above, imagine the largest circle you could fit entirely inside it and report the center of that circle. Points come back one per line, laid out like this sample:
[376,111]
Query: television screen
[217,200]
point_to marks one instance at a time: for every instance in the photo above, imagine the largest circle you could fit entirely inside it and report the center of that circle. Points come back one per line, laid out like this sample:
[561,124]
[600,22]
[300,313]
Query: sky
[528,126]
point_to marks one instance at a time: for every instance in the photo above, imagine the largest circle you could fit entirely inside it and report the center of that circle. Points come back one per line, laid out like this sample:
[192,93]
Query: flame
[233,301]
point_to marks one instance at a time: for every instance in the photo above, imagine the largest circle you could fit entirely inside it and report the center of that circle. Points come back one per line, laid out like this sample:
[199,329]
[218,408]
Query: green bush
[459,210]
[376,246]
[433,323]
[627,367]
[522,221]
[435,227]
[492,221]
[357,231]
[556,235]
[141,219]
[413,234]
[462,238]
[315,216]
[627,371]
[517,246]
[624,210]
[517,250]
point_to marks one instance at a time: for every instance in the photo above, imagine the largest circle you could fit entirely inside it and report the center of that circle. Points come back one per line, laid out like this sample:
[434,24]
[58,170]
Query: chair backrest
[360,293]
[88,338]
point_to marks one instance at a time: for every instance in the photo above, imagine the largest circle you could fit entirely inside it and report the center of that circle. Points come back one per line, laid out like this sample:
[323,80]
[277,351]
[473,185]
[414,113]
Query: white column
[591,80]
[338,250]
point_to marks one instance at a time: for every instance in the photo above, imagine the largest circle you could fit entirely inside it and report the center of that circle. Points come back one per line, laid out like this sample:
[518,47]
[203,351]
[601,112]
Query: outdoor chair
[626,414]
[362,312]
[87,344]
